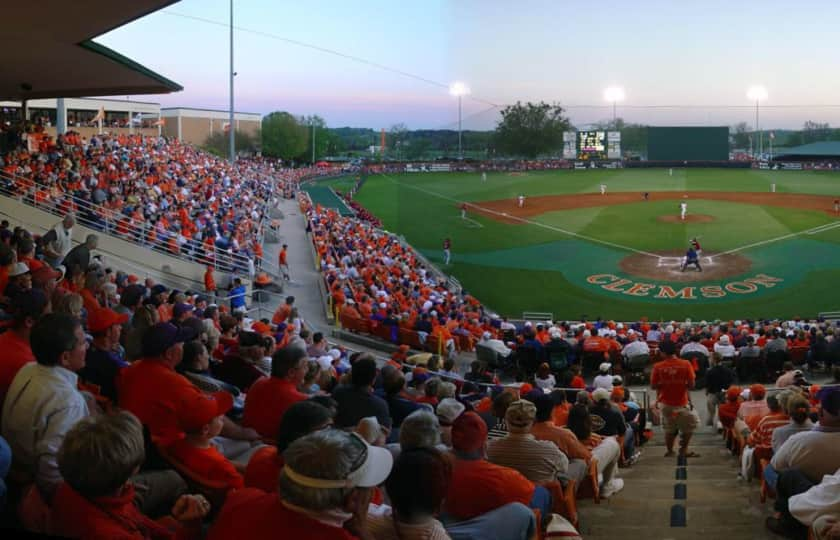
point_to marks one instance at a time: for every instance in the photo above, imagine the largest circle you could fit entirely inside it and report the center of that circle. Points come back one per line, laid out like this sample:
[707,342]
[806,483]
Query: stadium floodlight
[757,93]
[614,94]
[459,90]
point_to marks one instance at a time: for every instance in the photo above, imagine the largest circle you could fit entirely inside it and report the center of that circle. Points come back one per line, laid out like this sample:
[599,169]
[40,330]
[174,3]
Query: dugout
[813,152]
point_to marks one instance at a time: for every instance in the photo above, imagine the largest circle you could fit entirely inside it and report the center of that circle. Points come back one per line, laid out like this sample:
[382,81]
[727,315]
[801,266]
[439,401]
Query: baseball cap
[604,367]
[180,309]
[44,273]
[757,390]
[830,400]
[160,337]
[104,318]
[203,408]
[733,392]
[449,409]
[370,473]
[469,432]
[520,415]
[601,394]
[18,269]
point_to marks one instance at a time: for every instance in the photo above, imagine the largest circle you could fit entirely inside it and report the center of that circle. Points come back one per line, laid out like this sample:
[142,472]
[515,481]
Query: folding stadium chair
[774,362]
[410,338]
[214,490]
[766,490]
[636,367]
[798,355]
[538,530]
[487,356]
[589,485]
[564,499]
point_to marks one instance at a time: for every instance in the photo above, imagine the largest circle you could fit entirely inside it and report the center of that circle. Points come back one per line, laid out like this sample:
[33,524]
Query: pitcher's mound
[690,218]
[667,266]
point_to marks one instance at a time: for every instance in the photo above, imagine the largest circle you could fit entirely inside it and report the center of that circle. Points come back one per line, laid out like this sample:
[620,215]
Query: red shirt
[255,515]
[478,486]
[673,377]
[207,463]
[16,354]
[106,518]
[264,469]
[157,396]
[267,402]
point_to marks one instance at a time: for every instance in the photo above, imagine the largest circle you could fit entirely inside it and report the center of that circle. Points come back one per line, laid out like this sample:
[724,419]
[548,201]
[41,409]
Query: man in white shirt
[821,501]
[59,240]
[724,348]
[43,402]
[694,346]
[496,344]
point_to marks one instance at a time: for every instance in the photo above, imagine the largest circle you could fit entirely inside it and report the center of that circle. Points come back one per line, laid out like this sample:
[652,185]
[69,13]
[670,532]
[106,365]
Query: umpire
[691,258]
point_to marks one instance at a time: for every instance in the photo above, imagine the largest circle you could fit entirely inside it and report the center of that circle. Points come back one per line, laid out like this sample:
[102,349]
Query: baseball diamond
[763,252]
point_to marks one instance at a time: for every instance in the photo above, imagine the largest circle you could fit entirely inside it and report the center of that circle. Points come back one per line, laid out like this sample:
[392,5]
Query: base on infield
[667,266]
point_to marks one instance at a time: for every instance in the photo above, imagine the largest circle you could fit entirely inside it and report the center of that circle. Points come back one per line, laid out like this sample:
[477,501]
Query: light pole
[313,140]
[459,90]
[614,94]
[231,132]
[757,93]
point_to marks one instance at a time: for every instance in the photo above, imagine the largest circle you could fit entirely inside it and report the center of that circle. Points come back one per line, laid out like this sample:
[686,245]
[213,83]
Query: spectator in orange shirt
[27,308]
[478,486]
[283,311]
[270,397]
[728,411]
[300,419]
[282,261]
[203,420]
[672,378]
[752,411]
[209,280]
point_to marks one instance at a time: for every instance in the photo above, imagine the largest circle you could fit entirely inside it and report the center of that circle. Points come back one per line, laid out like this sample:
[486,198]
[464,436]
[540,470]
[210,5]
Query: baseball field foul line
[522,220]
[813,230]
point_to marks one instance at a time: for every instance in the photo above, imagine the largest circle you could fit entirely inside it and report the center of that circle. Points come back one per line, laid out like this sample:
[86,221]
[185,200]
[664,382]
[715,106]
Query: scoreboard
[592,144]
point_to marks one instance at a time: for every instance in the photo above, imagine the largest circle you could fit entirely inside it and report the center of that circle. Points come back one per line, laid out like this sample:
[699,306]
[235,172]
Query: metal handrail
[117,224]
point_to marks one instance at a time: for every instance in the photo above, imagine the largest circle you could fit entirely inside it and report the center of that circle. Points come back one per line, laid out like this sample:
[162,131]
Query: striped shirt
[381,525]
[538,461]
[499,431]
[762,437]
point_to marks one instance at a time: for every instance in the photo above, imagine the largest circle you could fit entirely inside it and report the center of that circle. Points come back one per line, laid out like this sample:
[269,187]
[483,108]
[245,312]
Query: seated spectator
[300,419]
[152,390]
[544,379]
[603,379]
[270,397]
[427,390]
[798,408]
[500,405]
[607,452]
[244,366]
[448,410]
[195,366]
[789,374]
[614,423]
[400,404]
[357,400]
[538,461]
[417,487]
[324,492]
[728,411]
[103,363]
[96,500]
[560,412]
[752,411]
[202,422]
[724,348]
[421,429]
[495,344]
[43,401]
[20,280]
[761,438]
[26,308]
[819,507]
[478,486]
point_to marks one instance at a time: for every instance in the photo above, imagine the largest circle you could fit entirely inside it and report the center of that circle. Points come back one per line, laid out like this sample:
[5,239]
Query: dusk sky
[679,63]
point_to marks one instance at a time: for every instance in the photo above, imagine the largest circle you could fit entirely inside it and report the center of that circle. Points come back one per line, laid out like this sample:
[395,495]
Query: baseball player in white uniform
[521,201]
[683,210]
[484,176]
[603,189]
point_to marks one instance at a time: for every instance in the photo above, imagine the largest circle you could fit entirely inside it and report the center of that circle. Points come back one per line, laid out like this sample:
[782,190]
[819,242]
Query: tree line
[524,130]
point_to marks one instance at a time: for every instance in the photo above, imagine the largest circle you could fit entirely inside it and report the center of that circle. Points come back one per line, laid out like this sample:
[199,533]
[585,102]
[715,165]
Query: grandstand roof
[49,52]
[823,149]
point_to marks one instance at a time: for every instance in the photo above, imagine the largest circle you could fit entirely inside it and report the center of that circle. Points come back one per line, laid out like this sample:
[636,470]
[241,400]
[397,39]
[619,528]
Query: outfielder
[484,176]
[683,210]
[603,189]
[463,210]
[521,201]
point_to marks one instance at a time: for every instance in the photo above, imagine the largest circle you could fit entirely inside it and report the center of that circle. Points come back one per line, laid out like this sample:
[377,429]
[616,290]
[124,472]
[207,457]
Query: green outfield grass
[543,265]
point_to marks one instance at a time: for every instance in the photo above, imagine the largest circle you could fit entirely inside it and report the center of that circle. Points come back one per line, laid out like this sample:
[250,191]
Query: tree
[218,143]
[396,139]
[283,136]
[815,131]
[741,135]
[323,139]
[531,129]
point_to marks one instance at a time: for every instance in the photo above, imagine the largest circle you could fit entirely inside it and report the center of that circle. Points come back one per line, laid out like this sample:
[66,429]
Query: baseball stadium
[768,239]
[228,325]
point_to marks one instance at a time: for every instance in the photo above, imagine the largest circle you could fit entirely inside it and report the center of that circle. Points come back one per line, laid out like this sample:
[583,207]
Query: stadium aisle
[717,503]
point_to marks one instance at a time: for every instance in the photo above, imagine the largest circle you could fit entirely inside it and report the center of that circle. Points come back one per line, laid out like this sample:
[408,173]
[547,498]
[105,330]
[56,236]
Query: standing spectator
[237,296]
[718,379]
[282,261]
[78,259]
[59,240]
[672,378]
[43,402]
[209,281]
